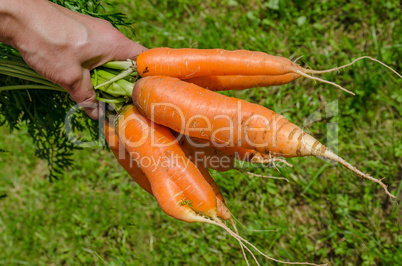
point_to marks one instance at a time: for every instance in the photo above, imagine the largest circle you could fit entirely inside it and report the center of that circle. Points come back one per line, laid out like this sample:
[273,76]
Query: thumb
[129,50]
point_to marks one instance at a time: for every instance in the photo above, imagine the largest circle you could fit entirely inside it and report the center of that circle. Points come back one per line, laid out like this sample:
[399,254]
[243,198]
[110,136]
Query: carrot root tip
[311,71]
[244,242]
[267,176]
[323,80]
[332,156]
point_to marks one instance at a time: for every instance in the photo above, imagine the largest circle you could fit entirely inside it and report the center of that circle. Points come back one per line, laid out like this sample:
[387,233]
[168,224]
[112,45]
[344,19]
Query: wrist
[39,24]
[8,14]
[15,17]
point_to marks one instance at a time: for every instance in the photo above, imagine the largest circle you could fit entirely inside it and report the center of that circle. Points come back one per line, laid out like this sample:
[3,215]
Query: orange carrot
[177,184]
[209,115]
[205,153]
[238,153]
[239,82]
[124,158]
[222,209]
[212,149]
[207,156]
[189,63]
[202,154]
[218,69]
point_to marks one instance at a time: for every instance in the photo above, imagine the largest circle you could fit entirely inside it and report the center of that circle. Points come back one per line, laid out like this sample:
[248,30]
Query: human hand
[63,46]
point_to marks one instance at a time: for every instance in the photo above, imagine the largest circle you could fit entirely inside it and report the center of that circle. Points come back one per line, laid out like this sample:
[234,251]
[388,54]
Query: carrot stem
[120,76]
[17,74]
[120,65]
[29,87]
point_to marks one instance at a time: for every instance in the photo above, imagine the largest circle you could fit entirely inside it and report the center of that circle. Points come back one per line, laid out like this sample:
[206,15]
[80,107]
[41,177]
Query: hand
[63,45]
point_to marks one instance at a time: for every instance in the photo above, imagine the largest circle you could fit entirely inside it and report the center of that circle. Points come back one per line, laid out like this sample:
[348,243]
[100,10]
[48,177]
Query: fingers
[83,94]
[131,50]
[127,49]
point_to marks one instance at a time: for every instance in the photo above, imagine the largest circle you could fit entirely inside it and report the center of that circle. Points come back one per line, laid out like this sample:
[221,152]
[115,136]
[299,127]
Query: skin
[63,45]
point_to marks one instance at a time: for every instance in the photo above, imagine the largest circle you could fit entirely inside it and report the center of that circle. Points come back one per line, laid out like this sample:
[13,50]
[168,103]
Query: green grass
[95,214]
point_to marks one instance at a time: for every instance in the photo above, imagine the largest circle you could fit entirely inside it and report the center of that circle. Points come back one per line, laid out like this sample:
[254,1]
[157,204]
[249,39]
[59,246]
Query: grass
[96,215]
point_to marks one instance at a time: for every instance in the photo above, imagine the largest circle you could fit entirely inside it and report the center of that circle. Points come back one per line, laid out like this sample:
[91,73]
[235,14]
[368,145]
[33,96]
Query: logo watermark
[254,131]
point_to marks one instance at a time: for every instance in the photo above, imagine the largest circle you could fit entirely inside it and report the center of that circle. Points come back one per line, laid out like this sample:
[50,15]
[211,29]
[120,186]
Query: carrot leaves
[28,100]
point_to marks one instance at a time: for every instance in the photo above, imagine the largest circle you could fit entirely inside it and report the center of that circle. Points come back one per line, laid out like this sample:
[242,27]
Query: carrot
[209,115]
[216,69]
[240,82]
[175,201]
[200,152]
[176,183]
[179,187]
[247,155]
[207,156]
[189,63]
[124,158]
[139,177]
[222,159]
[208,150]
[238,152]
[222,210]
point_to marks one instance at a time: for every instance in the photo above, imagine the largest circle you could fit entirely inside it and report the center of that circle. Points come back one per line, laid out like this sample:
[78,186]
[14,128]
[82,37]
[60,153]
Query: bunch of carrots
[167,125]
[175,122]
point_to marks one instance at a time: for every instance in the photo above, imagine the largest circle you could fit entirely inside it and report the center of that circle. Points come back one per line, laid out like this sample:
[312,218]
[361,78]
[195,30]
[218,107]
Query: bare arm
[63,45]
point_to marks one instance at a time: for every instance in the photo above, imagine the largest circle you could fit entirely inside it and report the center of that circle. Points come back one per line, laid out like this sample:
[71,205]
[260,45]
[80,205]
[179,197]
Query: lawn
[95,214]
